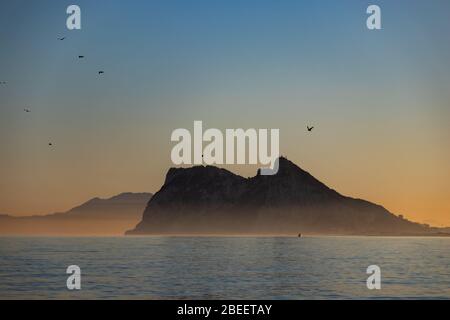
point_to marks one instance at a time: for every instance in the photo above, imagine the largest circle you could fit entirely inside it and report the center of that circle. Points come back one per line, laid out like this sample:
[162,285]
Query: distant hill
[95,217]
[208,200]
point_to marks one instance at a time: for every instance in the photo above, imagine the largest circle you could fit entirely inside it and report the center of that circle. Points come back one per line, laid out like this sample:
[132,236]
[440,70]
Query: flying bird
[61,39]
[309,128]
[50,144]
[80,57]
[27,110]
[101,72]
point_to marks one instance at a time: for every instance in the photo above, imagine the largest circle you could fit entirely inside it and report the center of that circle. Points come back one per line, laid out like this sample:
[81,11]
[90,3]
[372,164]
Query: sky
[379,100]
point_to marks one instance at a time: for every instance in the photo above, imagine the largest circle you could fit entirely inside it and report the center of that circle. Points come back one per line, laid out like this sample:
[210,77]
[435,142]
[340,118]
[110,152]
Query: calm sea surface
[224,268]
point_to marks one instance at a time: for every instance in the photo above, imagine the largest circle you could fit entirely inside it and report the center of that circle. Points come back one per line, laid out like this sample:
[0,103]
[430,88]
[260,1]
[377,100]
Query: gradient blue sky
[380,100]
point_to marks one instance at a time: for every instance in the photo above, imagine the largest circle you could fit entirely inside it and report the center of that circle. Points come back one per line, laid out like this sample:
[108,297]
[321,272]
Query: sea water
[225,268]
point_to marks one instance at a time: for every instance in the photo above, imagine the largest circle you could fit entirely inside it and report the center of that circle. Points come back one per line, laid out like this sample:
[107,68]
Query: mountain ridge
[110,216]
[210,200]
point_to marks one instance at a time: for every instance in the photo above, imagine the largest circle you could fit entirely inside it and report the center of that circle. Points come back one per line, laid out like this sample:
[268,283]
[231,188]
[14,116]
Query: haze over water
[225,268]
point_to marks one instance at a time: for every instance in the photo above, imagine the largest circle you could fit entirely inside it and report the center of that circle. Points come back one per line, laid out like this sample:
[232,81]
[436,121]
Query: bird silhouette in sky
[61,39]
[50,144]
[309,128]
[80,57]
[101,72]
[27,110]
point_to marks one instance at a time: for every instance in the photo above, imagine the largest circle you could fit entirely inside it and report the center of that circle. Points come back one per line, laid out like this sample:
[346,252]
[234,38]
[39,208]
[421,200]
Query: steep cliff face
[209,200]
